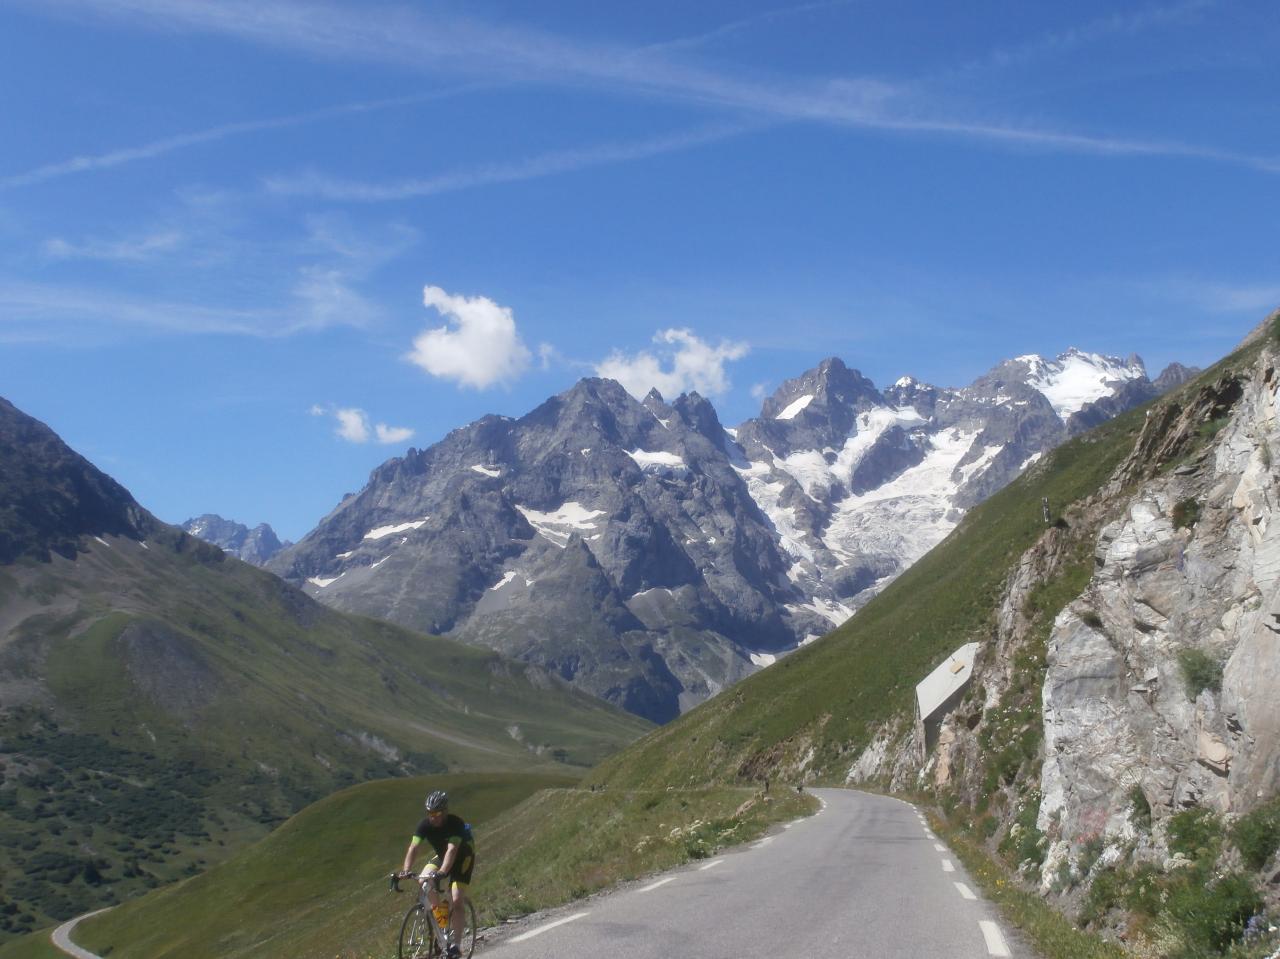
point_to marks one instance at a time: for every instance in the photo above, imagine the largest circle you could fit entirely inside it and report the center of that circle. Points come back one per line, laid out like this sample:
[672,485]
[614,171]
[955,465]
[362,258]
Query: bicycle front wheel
[417,938]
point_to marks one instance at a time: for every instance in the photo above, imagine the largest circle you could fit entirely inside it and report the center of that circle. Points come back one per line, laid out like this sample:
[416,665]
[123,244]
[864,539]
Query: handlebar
[393,880]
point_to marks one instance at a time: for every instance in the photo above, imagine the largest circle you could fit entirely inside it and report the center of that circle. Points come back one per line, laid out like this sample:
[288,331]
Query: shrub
[1185,514]
[1196,833]
[1257,834]
[1200,671]
[1213,916]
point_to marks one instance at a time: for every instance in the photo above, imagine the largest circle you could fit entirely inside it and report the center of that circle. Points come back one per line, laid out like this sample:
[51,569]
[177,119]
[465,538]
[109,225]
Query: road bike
[425,934]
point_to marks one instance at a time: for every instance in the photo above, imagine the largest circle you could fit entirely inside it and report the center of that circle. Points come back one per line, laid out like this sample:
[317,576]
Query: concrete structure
[939,692]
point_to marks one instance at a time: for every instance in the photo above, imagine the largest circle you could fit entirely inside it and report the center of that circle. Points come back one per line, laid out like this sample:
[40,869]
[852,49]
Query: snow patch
[322,582]
[347,555]
[507,577]
[382,531]
[379,562]
[835,613]
[487,470]
[794,407]
[1076,379]
[103,542]
[657,461]
[763,659]
[559,525]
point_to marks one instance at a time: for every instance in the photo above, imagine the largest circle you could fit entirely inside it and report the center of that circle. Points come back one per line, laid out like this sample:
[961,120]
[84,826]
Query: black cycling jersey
[452,830]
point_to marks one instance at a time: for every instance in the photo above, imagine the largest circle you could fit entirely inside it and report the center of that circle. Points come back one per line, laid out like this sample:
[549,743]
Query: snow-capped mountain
[254,546]
[653,557]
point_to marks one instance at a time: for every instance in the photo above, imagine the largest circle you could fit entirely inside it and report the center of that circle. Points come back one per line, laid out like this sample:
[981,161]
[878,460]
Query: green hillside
[164,705]
[315,887]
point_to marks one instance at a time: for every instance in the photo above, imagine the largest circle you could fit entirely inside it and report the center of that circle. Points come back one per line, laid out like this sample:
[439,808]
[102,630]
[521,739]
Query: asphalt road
[863,878]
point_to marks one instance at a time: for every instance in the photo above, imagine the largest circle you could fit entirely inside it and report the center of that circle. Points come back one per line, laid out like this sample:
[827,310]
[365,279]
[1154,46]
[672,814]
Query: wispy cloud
[156,148]
[683,362]
[315,184]
[742,25]
[434,43]
[132,249]
[1128,23]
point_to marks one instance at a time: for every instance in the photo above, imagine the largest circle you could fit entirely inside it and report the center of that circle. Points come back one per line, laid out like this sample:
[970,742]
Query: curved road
[864,877]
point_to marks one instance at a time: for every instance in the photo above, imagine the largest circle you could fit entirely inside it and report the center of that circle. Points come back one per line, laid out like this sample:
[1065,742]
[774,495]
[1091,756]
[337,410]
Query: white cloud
[142,248]
[480,345]
[688,363]
[759,391]
[354,426]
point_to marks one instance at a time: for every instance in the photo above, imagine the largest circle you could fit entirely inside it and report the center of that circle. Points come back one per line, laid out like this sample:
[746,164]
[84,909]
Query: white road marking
[654,885]
[965,891]
[947,866]
[929,834]
[549,926]
[711,865]
[758,844]
[995,941]
[940,847]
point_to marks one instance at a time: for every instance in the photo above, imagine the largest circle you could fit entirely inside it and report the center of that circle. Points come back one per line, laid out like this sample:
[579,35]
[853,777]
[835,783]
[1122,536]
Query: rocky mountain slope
[162,704]
[652,557]
[1116,743]
[255,546]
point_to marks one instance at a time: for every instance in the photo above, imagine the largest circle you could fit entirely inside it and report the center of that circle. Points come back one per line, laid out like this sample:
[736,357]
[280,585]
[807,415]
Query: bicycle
[425,934]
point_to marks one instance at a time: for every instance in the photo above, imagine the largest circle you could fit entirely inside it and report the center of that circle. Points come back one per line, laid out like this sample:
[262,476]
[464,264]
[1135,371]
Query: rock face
[255,546]
[860,484]
[51,496]
[644,552]
[1165,675]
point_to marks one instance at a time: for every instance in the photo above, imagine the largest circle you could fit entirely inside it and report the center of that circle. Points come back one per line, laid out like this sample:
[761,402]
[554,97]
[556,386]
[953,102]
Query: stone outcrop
[1164,676]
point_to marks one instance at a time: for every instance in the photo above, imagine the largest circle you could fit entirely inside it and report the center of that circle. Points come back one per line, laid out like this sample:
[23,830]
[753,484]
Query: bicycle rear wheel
[417,938]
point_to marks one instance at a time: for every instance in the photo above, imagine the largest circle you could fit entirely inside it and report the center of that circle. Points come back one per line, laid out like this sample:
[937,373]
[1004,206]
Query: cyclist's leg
[460,880]
[433,897]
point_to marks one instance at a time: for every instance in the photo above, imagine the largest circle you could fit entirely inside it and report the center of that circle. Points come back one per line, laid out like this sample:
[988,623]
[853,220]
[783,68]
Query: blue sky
[250,250]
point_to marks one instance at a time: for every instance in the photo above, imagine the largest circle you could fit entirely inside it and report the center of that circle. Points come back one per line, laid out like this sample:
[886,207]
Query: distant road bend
[61,937]
[864,877]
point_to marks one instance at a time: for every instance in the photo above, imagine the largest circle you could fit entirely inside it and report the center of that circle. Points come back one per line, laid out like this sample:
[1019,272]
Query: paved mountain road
[863,878]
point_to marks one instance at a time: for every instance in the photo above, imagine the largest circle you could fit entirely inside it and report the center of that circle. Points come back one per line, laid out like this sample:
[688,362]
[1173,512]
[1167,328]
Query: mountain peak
[52,496]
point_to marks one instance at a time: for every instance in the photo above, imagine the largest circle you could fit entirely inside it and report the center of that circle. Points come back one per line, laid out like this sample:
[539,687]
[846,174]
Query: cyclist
[454,859]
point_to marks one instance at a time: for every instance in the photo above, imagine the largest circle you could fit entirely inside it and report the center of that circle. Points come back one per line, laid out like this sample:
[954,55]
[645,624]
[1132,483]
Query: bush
[1257,834]
[1215,916]
[1185,513]
[1200,671]
[1196,833]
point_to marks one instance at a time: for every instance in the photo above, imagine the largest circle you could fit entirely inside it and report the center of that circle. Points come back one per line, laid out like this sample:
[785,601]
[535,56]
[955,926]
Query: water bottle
[442,915]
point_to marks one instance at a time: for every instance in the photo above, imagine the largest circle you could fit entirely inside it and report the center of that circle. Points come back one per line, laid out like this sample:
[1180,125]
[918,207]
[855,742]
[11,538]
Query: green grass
[1052,934]
[189,703]
[316,886]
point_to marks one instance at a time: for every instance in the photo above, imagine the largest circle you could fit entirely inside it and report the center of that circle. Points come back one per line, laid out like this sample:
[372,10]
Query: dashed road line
[654,885]
[940,847]
[711,865]
[995,941]
[548,927]
[965,891]
[947,866]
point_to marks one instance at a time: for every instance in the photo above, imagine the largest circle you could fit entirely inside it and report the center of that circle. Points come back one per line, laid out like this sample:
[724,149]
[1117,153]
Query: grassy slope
[315,886]
[265,701]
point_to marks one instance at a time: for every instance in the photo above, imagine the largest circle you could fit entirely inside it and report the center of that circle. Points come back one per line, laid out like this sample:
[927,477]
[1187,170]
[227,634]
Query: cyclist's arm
[450,855]
[411,853]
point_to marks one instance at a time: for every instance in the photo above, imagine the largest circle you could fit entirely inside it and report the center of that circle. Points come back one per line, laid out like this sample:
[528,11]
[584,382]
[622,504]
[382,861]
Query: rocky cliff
[1130,684]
